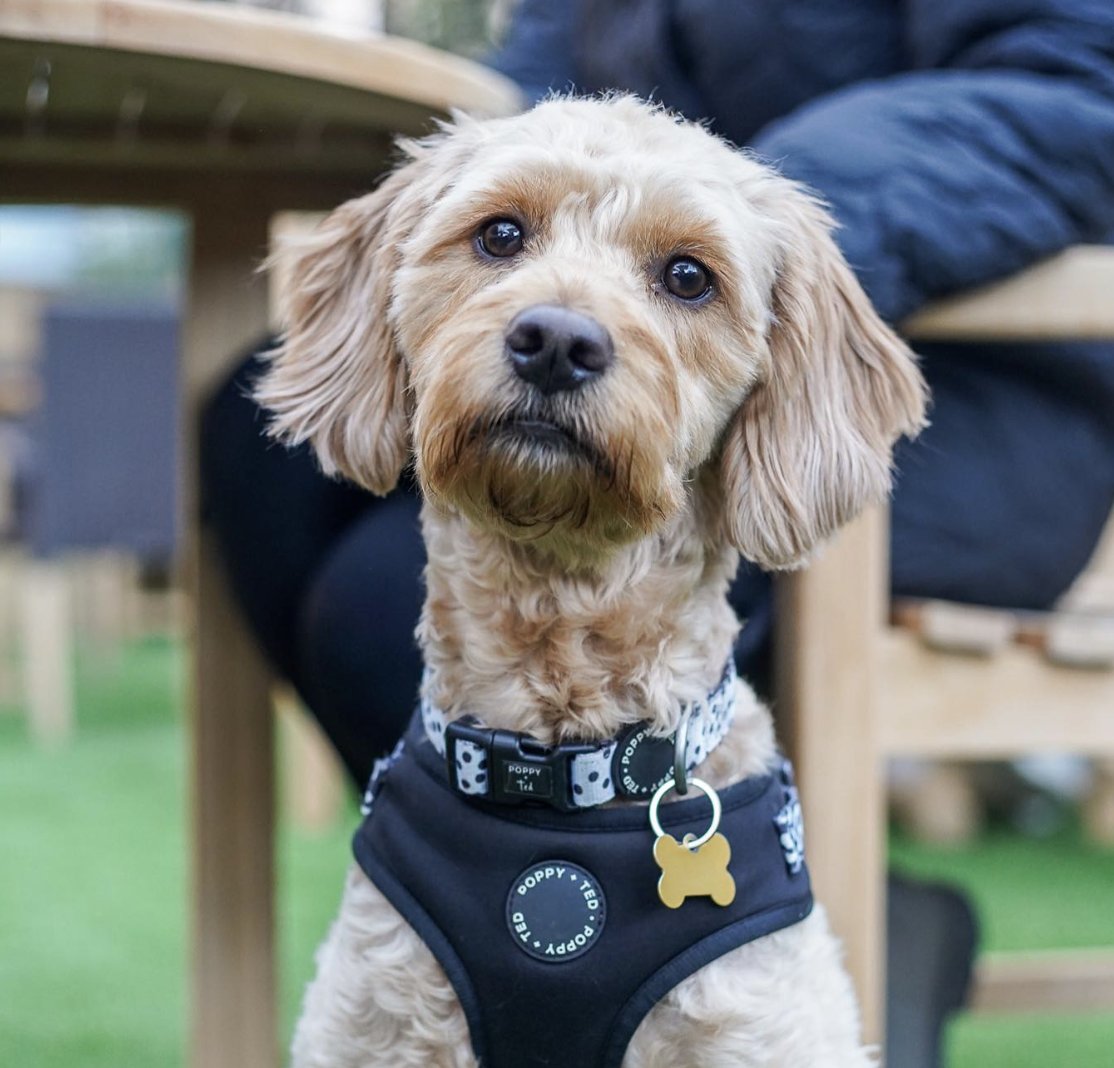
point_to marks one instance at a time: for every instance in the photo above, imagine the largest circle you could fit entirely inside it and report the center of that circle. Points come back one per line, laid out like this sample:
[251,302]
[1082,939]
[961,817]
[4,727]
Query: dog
[618,353]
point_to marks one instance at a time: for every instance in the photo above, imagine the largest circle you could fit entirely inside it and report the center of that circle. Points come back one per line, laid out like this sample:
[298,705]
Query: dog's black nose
[557,349]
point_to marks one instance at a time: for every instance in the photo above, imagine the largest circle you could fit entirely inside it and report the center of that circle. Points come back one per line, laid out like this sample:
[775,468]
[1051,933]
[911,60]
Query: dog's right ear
[336,379]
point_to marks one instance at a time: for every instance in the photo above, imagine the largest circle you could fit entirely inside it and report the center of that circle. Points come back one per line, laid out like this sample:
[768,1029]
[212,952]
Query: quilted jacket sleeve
[996,148]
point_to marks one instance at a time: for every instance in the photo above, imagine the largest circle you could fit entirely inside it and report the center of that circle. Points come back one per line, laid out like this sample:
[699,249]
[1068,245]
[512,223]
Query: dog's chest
[549,925]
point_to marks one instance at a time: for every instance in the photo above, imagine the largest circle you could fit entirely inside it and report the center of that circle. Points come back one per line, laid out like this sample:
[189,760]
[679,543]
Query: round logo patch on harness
[555,911]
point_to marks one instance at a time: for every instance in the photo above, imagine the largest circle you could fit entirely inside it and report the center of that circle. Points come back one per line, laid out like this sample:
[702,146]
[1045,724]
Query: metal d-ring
[680,752]
[709,793]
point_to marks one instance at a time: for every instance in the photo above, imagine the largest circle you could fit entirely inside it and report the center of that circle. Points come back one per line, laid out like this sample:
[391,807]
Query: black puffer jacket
[956,142]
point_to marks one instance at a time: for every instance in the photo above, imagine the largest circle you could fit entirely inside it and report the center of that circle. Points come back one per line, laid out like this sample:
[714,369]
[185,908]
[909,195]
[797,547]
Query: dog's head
[565,317]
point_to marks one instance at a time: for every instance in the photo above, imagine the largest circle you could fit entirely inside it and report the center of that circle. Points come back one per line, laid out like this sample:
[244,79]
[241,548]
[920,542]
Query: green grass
[93,878]
[1054,892]
[93,902]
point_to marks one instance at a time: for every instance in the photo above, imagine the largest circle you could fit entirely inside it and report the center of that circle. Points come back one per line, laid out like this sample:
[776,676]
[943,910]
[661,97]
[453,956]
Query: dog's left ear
[811,445]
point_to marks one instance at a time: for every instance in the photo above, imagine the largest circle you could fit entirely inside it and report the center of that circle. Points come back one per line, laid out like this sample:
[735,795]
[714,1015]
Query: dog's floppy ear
[336,379]
[811,445]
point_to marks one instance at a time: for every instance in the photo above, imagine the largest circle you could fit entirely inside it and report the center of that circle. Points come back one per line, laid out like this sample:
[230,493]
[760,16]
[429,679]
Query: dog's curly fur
[571,591]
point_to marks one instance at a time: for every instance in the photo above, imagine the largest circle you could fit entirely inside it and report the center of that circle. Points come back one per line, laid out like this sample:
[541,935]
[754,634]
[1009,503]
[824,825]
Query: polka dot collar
[515,768]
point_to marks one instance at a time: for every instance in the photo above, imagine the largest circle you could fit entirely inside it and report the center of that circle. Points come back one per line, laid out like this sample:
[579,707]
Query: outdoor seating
[854,692]
[233,116]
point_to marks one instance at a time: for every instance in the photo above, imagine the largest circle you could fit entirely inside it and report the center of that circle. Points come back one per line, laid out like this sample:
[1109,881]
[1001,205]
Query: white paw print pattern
[471,767]
[791,831]
[378,773]
[367,801]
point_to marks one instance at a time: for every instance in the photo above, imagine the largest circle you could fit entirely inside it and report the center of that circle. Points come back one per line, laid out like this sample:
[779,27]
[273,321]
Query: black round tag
[644,761]
[555,911]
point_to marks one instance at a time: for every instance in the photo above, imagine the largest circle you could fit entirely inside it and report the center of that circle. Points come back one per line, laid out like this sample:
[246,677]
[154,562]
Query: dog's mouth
[546,437]
[540,432]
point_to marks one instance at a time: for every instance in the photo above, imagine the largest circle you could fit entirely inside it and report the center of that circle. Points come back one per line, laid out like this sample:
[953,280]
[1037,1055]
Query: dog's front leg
[379,999]
[782,1001]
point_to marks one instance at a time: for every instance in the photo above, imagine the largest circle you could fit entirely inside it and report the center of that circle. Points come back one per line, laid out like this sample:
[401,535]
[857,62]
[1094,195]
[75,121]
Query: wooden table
[229,115]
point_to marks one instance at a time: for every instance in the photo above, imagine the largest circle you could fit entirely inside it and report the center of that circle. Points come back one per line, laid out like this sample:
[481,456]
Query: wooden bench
[854,691]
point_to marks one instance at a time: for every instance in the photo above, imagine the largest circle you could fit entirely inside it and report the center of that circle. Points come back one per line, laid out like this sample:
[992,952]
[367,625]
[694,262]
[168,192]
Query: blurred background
[92,792]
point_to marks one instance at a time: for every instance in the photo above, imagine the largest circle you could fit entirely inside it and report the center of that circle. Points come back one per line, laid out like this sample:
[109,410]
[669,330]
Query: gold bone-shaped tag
[700,872]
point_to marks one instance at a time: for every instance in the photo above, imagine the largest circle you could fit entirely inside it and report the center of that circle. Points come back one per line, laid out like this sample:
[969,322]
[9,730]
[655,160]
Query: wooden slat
[47,649]
[940,704]
[1067,296]
[1098,806]
[1084,641]
[1081,636]
[1069,980]
[958,628]
[828,619]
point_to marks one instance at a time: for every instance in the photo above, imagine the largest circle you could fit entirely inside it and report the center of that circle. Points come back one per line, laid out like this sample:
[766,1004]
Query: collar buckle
[518,768]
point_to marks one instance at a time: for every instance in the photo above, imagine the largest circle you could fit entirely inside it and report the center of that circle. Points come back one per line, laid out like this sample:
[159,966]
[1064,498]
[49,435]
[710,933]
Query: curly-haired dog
[618,353]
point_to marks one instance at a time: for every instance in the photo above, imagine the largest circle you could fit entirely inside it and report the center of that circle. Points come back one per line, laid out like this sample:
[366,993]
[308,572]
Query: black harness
[548,923]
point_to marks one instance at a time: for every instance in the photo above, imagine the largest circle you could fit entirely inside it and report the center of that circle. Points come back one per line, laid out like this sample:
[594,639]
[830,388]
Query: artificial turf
[93,877]
[93,904]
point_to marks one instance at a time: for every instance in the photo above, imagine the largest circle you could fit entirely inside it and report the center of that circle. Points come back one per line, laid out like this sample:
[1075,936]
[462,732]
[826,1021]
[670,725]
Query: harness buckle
[518,768]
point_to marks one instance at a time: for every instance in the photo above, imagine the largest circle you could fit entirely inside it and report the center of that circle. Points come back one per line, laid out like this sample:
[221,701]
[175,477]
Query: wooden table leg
[313,781]
[48,654]
[233,1021]
[829,621]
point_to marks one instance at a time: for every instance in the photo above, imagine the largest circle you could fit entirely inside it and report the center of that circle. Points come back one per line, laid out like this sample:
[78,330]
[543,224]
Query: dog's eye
[686,278]
[501,238]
